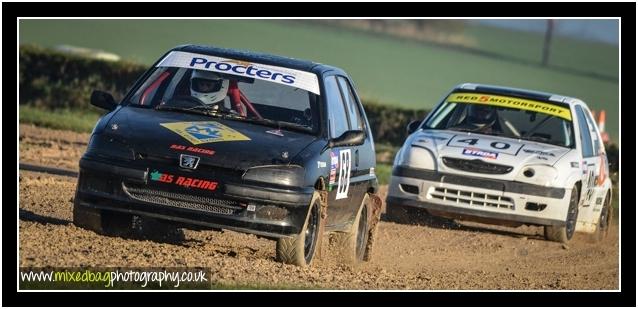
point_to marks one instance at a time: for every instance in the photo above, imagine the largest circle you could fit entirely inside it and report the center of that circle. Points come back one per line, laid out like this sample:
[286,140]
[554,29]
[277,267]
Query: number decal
[344,174]
[470,141]
[486,144]
[501,147]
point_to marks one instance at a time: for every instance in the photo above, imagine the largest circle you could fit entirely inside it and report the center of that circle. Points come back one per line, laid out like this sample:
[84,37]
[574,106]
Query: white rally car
[505,156]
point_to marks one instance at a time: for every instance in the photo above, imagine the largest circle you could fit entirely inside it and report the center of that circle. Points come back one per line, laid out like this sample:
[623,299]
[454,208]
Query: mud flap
[322,226]
[374,218]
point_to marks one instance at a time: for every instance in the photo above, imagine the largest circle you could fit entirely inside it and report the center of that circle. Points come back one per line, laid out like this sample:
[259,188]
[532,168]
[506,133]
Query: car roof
[518,92]
[263,58]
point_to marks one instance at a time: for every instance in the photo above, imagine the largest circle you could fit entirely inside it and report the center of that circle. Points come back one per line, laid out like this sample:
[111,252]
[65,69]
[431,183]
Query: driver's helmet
[481,115]
[208,87]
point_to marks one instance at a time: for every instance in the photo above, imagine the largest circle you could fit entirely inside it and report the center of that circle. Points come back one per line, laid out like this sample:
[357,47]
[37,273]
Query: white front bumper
[482,202]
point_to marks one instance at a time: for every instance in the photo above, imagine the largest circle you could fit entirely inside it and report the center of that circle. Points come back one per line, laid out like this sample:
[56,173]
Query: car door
[340,197]
[590,164]
[363,156]
[596,191]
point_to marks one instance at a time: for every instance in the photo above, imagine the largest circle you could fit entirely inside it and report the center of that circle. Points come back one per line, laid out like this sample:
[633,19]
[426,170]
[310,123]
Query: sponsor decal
[161,177]
[503,101]
[280,75]
[114,127]
[201,132]
[187,161]
[321,164]
[480,153]
[334,163]
[194,149]
[541,158]
[275,132]
[182,181]
[539,152]
[574,164]
[344,174]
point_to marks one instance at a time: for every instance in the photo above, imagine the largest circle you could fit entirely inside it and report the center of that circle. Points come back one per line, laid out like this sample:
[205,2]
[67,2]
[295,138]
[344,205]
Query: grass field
[391,71]
[58,119]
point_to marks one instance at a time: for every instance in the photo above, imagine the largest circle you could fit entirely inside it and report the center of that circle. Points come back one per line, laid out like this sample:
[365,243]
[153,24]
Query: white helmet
[208,87]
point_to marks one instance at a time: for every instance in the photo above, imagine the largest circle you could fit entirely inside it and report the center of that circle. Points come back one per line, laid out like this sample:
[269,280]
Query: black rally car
[228,139]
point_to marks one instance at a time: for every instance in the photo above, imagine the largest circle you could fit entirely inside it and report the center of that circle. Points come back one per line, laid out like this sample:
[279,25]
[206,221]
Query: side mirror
[348,138]
[103,100]
[413,126]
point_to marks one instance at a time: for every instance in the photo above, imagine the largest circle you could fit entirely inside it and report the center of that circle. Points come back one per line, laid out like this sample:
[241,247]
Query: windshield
[215,94]
[505,116]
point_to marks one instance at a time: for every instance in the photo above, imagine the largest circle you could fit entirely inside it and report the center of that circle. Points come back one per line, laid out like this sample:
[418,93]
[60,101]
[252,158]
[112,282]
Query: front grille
[472,198]
[179,200]
[476,166]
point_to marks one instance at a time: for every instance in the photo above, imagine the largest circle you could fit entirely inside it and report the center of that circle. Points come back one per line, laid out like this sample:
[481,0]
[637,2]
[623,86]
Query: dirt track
[466,256]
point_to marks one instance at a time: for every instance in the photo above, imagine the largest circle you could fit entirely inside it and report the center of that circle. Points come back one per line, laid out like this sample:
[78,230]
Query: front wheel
[564,233]
[300,249]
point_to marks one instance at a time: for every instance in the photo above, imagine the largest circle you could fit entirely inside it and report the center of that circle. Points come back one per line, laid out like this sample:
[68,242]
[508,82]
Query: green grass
[393,71]
[383,171]
[58,119]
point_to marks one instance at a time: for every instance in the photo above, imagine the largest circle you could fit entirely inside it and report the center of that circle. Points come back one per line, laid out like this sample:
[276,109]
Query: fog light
[529,173]
[271,212]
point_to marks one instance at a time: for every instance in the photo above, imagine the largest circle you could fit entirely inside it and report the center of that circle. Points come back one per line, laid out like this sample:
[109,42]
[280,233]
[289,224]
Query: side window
[338,119]
[353,107]
[594,136]
[585,136]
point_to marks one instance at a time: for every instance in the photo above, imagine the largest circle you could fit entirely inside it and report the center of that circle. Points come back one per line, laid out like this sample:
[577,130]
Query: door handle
[356,158]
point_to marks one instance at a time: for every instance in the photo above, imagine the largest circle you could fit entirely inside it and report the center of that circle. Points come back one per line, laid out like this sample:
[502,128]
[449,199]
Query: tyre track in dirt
[466,256]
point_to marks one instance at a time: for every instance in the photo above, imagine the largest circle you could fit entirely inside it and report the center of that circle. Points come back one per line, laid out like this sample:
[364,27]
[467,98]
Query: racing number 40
[495,145]
[344,174]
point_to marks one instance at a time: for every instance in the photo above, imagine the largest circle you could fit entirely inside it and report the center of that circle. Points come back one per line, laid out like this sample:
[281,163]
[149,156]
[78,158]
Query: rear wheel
[300,249]
[352,244]
[606,217]
[564,233]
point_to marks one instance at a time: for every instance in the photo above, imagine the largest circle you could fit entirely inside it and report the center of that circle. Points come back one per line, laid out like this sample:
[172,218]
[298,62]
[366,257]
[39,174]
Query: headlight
[416,157]
[543,175]
[292,175]
[109,147]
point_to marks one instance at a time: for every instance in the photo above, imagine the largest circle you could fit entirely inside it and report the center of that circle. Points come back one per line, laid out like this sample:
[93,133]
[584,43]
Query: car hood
[487,148]
[218,142]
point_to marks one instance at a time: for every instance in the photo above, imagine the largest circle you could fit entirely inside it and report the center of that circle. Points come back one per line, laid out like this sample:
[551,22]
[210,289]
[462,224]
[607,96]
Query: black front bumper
[270,212]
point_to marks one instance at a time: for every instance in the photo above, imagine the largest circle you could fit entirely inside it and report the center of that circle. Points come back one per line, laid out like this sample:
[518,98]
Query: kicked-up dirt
[458,256]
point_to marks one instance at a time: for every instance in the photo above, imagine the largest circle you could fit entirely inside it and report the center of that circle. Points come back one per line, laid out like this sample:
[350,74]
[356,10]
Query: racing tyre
[300,249]
[351,245]
[564,233]
[606,217]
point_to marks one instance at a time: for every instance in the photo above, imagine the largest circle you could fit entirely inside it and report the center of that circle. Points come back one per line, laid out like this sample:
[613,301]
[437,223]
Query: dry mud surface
[465,256]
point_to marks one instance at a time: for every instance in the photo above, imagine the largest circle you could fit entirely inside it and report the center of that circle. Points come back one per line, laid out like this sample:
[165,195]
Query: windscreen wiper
[278,124]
